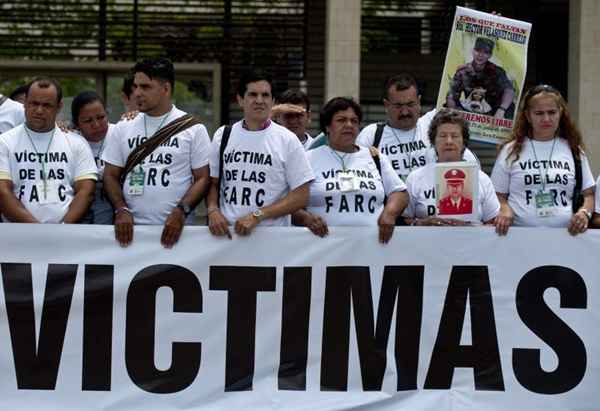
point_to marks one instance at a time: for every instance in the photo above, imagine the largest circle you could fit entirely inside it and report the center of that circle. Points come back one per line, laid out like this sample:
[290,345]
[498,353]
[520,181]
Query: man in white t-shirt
[292,110]
[265,173]
[46,175]
[403,138]
[168,184]
[12,114]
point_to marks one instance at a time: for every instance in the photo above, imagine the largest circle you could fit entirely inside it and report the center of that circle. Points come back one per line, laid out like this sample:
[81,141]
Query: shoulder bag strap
[147,147]
[378,134]
[224,141]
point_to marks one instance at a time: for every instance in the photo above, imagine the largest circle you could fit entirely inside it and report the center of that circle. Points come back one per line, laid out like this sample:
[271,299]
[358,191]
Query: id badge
[136,182]
[544,204]
[347,182]
[47,192]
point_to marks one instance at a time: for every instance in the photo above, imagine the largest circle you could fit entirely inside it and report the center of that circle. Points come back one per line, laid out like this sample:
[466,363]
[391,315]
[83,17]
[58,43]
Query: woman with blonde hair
[542,176]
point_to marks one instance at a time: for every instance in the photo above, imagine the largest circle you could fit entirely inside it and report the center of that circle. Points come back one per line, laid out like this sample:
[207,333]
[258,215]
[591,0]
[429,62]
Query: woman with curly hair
[535,172]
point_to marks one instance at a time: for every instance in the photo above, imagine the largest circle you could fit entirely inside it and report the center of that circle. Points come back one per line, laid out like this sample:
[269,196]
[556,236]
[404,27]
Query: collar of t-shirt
[39,136]
[260,128]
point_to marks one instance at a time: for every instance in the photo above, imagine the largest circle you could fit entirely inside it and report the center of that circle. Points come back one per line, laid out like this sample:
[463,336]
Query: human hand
[245,225]
[316,225]
[579,223]
[124,227]
[172,228]
[217,224]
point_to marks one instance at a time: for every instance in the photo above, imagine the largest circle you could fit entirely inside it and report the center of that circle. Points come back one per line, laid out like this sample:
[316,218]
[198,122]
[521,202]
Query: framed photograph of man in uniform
[484,72]
[456,188]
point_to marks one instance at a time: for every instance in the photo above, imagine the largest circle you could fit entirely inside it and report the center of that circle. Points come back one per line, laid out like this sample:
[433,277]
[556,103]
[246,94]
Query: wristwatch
[258,214]
[587,212]
[187,210]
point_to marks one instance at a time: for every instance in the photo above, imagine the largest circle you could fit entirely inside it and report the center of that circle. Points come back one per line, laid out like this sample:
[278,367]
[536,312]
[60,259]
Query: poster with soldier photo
[485,71]
[456,187]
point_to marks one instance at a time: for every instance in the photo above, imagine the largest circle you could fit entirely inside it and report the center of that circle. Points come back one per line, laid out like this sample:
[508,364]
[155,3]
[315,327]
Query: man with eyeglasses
[403,138]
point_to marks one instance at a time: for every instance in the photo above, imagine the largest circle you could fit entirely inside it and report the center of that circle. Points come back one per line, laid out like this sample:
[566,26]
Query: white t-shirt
[407,150]
[308,142]
[101,211]
[167,170]
[422,197]
[260,168]
[522,180]
[12,113]
[354,208]
[597,202]
[68,159]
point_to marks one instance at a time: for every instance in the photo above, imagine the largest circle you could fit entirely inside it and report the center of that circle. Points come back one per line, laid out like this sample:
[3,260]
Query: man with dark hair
[403,137]
[46,175]
[481,86]
[155,173]
[19,94]
[292,110]
[259,170]
[126,93]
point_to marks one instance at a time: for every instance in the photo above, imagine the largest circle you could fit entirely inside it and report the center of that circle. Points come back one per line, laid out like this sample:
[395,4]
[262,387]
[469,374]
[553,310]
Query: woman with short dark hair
[353,186]
[88,115]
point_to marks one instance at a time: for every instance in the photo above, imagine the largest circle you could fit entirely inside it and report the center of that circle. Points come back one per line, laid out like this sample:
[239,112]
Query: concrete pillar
[584,74]
[342,51]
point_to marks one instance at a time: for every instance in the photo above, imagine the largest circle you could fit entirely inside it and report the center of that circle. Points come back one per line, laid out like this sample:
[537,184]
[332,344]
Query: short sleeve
[4,161]
[200,149]
[297,167]
[112,152]
[391,181]
[586,173]
[490,206]
[366,137]
[411,208]
[214,156]
[501,173]
[85,164]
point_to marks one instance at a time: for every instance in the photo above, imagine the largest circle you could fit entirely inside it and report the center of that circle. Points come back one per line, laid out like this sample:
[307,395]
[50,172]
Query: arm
[123,218]
[313,222]
[217,224]
[506,215]
[579,221]
[84,196]
[396,203]
[176,220]
[11,207]
[294,200]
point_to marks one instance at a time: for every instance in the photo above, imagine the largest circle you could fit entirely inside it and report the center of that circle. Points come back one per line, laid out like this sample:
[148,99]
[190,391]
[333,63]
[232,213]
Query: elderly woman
[89,117]
[353,186]
[449,135]
[535,172]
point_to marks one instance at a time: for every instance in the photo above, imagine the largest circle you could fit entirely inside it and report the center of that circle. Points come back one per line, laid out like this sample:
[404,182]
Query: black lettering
[294,328]
[402,286]
[260,197]
[246,192]
[152,172]
[543,322]
[483,355]
[97,327]
[36,368]
[242,285]
[164,177]
[141,325]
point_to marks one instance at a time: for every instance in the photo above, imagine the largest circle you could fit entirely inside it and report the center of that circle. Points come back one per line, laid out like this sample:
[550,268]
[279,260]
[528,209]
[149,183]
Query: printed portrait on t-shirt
[457,185]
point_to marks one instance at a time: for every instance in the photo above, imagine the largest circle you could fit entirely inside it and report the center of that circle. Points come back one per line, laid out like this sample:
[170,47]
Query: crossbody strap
[147,147]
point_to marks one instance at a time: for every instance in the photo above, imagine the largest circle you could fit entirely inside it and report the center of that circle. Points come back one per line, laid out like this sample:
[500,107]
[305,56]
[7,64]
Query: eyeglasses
[398,106]
[541,88]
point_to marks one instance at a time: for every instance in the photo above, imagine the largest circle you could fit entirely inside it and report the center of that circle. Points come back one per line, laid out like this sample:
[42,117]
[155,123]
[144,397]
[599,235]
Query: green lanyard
[341,158]
[43,160]
[543,178]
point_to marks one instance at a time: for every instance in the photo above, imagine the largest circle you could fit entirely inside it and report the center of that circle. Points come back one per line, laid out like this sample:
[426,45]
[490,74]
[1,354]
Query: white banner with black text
[438,319]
